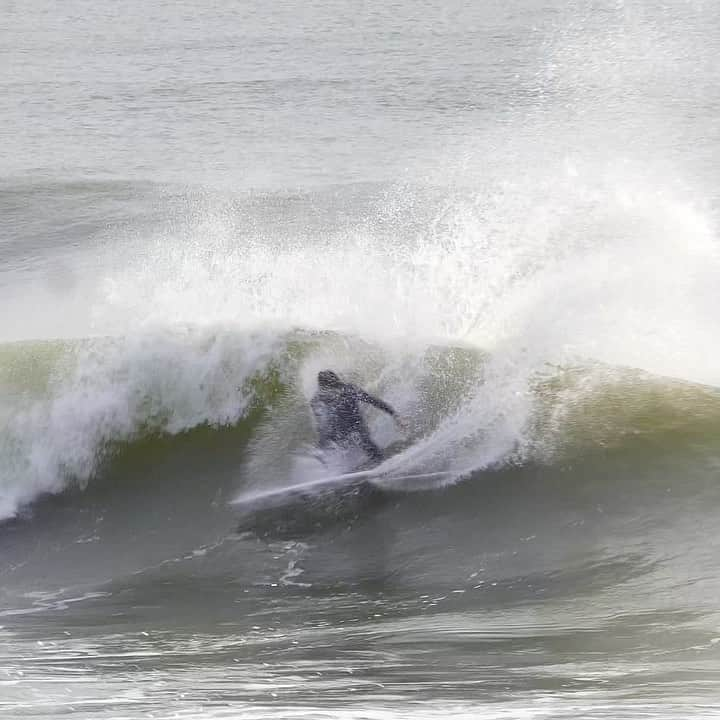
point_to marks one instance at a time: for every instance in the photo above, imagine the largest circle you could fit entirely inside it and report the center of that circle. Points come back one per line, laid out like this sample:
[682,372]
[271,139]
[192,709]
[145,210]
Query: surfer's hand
[402,425]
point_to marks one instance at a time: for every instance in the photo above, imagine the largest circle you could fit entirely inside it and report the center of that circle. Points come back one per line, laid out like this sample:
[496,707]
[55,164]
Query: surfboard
[347,483]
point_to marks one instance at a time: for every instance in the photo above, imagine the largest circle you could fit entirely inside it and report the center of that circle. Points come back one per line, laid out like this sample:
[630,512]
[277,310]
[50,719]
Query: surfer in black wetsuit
[336,407]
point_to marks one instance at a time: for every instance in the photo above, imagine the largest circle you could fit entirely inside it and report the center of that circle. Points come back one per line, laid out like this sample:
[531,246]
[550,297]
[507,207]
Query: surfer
[336,408]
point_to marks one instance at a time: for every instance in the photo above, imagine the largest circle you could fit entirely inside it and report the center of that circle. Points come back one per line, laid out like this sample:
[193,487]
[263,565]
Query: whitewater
[500,219]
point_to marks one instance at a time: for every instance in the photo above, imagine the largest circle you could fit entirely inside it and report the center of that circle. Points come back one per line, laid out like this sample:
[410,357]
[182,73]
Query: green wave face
[78,412]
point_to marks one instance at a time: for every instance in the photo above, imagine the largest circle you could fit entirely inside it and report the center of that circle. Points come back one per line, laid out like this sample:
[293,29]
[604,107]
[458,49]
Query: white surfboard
[277,497]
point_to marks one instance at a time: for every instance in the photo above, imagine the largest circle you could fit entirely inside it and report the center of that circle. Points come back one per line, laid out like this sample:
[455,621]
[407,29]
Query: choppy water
[501,217]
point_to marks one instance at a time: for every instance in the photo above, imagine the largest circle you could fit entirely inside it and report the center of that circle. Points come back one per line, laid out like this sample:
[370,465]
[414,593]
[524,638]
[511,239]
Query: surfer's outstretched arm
[366,397]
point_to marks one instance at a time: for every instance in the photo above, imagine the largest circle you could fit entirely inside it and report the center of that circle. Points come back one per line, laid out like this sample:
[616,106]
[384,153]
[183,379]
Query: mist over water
[501,218]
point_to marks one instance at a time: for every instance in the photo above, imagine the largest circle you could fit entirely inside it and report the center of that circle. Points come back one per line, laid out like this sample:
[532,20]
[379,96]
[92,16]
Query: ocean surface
[501,217]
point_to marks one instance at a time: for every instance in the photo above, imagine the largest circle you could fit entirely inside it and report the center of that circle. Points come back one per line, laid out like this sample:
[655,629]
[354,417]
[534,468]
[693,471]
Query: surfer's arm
[375,402]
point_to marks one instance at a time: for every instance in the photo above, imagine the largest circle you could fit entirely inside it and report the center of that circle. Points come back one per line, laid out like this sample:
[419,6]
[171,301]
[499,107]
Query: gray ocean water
[499,216]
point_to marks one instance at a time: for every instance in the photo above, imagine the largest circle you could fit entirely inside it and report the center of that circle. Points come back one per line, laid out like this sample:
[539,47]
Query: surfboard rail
[265,499]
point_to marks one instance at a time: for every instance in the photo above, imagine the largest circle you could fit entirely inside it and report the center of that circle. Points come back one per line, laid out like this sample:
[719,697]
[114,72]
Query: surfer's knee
[372,450]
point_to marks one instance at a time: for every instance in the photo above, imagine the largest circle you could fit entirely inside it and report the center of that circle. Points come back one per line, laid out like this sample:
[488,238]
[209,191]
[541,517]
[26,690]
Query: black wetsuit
[339,419]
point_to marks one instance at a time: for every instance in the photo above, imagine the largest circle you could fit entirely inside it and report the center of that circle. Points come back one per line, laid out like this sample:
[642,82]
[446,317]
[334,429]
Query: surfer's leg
[367,444]
[324,446]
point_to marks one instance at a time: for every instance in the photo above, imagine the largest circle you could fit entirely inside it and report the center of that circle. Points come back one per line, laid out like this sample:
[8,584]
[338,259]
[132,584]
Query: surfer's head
[328,379]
